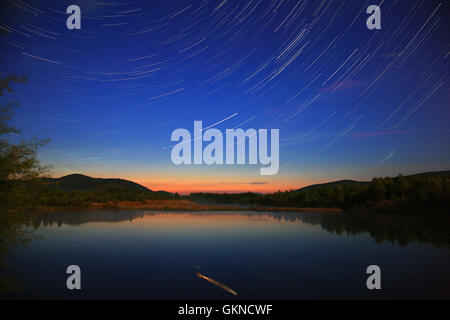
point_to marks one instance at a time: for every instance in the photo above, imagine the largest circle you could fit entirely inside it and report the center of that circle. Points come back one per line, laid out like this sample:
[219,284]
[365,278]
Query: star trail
[349,102]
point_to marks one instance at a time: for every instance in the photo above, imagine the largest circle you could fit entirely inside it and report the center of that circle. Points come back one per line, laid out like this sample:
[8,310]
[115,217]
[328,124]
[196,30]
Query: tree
[18,162]
[18,165]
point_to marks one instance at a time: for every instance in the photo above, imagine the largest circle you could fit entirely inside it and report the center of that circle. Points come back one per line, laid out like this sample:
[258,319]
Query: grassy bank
[179,205]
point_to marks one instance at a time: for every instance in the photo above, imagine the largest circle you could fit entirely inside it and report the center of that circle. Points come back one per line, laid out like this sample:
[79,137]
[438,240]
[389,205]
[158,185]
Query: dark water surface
[156,255]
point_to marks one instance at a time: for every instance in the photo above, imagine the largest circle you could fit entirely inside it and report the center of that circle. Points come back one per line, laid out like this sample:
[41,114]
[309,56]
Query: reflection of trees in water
[77,218]
[396,228]
[12,235]
[391,228]
[399,229]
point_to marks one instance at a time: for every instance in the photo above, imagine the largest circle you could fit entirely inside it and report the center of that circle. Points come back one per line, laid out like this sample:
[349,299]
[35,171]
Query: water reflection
[398,229]
[213,255]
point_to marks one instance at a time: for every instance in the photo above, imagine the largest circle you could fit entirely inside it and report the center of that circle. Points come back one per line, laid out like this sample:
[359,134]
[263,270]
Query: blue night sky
[349,102]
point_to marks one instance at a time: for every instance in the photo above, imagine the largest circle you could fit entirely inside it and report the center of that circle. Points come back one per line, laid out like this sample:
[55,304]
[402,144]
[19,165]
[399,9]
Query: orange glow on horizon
[190,186]
[189,183]
[218,188]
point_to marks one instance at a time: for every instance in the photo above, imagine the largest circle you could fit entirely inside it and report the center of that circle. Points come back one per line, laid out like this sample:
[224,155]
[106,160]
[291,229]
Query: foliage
[51,197]
[428,193]
[18,163]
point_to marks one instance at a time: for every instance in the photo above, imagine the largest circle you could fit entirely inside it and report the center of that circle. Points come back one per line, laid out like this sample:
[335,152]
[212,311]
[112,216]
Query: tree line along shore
[427,193]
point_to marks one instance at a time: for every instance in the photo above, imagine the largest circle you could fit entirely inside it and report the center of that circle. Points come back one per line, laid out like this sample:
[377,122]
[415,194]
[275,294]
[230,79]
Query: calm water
[156,255]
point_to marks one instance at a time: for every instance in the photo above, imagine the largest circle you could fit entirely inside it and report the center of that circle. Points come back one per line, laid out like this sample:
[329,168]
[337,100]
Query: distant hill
[80,182]
[334,183]
[444,174]
[365,183]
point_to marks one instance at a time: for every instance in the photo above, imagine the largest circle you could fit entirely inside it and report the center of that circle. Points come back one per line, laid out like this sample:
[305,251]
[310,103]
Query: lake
[157,255]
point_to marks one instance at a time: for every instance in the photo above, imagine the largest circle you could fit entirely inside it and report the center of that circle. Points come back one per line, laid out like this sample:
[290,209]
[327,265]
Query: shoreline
[184,205]
[187,205]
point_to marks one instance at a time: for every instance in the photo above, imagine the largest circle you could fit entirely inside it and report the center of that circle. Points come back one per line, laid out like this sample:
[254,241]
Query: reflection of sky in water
[154,255]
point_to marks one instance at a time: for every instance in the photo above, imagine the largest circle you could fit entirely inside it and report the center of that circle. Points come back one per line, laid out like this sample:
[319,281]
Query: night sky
[349,102]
